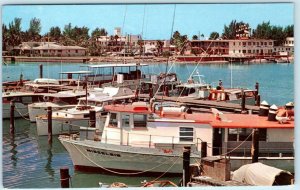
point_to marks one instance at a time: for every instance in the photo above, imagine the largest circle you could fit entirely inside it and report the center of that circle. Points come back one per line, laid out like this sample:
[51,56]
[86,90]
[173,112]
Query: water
[29,162]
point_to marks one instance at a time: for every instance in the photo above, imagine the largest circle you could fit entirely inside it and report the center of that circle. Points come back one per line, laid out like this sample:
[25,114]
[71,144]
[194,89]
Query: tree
[195,37]
[230,31]
[179,40]
[99,32]
[289,30]
[214,36]
[159,46]
[34,29]
[263,31]
[13,35]
[55,33]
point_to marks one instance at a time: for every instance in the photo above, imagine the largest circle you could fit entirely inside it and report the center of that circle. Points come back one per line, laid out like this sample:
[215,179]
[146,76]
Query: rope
[120,173]
[23,116]
[165,171]
[237,146]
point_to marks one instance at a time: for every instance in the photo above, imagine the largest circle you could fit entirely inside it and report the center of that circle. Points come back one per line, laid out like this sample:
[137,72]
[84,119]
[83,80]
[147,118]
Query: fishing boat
[70,119]
[138,139]
[21,101]
[60,100]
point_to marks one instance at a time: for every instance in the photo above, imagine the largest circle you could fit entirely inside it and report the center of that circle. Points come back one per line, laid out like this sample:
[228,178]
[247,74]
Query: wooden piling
[92,118]
[49,114]
[12,118]
[255,145]
[64,177]
[257,100]
[41,70]
[203,149]
[243,100]
[150,92]
[257,88]
[166,91]
[186,165]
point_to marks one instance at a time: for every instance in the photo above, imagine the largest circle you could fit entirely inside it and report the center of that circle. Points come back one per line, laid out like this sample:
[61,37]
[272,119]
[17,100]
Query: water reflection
[48,167]
[13,151]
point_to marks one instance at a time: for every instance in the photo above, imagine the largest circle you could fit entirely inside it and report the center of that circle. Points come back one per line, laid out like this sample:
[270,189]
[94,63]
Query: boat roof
[232,120]
[67,94]
[249,121]
[117,65]
[20,94]
[76,72]
[192,85]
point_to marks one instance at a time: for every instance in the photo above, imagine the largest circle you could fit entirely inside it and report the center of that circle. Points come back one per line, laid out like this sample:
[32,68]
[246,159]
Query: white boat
[21,101]
[76,117]
[67,120]
[60,100]
[136,140]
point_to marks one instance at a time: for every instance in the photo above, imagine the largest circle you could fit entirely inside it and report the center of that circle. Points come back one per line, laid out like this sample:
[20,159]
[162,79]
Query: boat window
[125,120]
[232,135]
[262,134]
[113,120]
[26,100]
[139,120]
[86,115]
[186,134]
[244,133]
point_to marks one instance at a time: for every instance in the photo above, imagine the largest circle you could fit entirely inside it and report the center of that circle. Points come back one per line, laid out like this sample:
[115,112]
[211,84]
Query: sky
[152,21]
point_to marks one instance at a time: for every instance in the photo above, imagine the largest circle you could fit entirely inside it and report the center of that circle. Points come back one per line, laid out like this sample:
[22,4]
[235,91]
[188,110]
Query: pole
[257,88]
[186,165]
[41,70]
[203,149]
[12,118]
[64,177]
[49,113]
[258,100]
[92,118]
[255,145]
[243,100]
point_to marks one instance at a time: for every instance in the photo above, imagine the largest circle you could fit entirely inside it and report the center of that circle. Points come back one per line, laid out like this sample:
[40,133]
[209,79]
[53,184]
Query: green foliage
[55,33]
[214,35]
[34,27]
[178,40]
[195,37]
[229,31]
[99,32]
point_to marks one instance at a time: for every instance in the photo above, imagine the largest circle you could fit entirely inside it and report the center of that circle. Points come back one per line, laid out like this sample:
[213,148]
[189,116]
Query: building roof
[117,65]
[57,47]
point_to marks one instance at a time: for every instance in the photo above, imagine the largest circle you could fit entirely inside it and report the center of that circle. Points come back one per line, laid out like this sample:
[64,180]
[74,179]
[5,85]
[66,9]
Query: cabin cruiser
[60,100]
[78,116]
[137,139]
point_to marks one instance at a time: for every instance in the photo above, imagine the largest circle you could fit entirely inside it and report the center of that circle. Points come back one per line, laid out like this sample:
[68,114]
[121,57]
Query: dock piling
[186,165]
[255,146]
[12,118]
[243,100]
[64,177]
[203,149]
[257,100]
[92,118]
[41,70]
[49,115]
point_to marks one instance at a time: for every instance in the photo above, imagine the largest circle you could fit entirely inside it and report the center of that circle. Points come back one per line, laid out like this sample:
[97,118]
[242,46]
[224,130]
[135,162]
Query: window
[186,134]
[113,120]
[244,43]
[125,120]
[249,43]
[76,51]
[261,43]
[243,134]
[270,43]
[244,51]
[139,120]
[249,51]
[233,43]
[265,43]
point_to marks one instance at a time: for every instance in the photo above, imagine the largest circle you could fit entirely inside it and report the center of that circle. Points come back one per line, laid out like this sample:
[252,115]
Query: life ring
[46,98]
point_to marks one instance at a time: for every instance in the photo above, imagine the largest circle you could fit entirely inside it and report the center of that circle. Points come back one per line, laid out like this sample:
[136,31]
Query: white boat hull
[59,126]
[37,109]
[95,156]
[20,110]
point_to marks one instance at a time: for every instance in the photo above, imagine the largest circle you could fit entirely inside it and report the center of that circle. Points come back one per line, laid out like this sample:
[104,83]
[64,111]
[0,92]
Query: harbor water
[29,162]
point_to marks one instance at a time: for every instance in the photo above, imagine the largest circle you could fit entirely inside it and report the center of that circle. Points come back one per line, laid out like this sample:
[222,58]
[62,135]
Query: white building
[287,48]
[250,47]
[58,50]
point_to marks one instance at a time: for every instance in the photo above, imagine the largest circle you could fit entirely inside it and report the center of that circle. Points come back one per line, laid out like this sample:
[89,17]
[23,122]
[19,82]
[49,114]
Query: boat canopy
[117,65]
[76,72]
[262,175]
[46,81]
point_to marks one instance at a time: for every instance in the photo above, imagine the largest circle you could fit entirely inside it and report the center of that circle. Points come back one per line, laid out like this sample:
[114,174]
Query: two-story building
[286,49]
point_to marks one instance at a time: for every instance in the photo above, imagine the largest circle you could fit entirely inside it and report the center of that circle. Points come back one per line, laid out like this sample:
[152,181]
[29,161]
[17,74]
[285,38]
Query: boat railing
[151,141]
[263,152]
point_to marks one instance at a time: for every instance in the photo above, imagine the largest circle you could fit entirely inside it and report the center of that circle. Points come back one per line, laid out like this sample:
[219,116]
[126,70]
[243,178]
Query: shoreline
[142,59]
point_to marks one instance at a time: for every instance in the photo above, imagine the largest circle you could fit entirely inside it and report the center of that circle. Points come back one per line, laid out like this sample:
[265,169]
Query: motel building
[286,49]
[239,47]
[58,50]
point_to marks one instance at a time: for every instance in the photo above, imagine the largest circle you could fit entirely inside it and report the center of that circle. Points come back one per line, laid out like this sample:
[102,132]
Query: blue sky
[189,19]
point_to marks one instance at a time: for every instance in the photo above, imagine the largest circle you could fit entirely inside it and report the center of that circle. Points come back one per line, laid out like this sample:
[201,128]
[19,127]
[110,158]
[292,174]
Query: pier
[204,104]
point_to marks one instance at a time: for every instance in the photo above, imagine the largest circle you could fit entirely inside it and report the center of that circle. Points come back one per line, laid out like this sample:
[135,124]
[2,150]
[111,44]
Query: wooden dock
[203,104]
